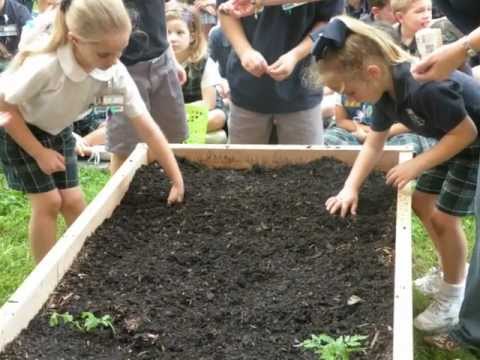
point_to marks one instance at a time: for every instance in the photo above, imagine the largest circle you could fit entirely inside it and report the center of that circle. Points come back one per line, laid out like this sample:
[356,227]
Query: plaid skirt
[22,171]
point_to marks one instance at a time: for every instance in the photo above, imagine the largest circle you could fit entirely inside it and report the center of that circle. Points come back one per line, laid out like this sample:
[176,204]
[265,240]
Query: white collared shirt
[52,90]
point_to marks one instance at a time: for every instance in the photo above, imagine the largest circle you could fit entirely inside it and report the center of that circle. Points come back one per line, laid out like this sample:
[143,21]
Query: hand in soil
[346,201]
[176,194]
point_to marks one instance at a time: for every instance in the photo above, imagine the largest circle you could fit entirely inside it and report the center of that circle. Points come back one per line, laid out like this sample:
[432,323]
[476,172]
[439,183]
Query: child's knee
[441,221]
[46,204]
[73,201]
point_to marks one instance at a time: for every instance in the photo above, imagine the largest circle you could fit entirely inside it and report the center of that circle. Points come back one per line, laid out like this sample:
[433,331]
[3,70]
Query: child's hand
[81,146]
[254,62]
[176,194]
[283,67]
[346,200]
[50,161]
[402,174]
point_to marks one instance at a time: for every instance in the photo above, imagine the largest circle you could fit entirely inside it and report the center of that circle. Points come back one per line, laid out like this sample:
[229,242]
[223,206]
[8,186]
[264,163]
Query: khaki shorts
[158,84]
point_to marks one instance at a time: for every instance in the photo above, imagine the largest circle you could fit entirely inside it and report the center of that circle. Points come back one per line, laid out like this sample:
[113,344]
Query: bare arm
[446,59]
[252,61]
[397,129]
[48,160]
[150,133]
[451,144]
[346,200]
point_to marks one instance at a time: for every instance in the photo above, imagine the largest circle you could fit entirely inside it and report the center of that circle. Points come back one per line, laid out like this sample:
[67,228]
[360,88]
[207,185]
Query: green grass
[424,258]
[16,262]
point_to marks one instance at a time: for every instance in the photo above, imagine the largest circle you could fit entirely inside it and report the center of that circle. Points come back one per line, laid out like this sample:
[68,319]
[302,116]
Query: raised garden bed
[248,267]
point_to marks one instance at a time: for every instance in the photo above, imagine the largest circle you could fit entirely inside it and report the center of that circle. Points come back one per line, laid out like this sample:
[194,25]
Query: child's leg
[423,205]
[73,203]
[43,222]
[216,120]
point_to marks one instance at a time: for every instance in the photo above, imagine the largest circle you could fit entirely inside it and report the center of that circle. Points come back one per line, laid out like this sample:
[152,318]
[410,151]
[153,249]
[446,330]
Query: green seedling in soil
[328,348]
[88,321]
[91,322]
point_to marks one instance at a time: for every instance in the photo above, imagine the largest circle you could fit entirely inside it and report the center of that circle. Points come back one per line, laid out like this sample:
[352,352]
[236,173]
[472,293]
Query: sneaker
[440,315]
[443,342]
[429,284]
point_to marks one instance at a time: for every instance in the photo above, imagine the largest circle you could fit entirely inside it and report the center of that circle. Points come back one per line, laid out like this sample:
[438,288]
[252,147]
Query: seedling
[328,348]
[88,321]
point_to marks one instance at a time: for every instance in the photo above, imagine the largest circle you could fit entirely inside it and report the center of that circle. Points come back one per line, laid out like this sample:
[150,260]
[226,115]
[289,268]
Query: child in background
[47,90]
[13,17]
[189,45]
[158,76]
[352,125]
[362,63]
[380,11]
[414,15]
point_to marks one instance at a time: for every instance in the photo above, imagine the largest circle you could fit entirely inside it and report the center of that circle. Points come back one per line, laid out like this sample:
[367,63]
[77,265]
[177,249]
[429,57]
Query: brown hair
[186,13]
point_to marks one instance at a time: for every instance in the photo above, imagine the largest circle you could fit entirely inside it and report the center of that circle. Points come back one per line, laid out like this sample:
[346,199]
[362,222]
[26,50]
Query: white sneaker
[429,284]
[440,315]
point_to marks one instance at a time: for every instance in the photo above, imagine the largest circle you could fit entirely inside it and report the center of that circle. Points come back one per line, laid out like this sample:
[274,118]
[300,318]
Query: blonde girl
[45,90]
[185,35]
[358,61]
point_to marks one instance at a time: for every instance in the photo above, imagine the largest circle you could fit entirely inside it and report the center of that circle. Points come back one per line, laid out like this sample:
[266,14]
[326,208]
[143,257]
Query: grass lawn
[16,262]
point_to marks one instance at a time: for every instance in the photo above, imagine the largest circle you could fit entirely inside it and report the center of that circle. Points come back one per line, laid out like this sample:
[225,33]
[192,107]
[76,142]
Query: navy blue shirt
[219,49]
[149,34]
[274,33]
[430,109]
[13,17]
[464,14]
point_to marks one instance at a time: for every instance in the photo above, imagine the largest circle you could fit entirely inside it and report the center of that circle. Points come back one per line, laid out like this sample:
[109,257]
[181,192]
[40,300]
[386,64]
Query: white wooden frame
[24,304]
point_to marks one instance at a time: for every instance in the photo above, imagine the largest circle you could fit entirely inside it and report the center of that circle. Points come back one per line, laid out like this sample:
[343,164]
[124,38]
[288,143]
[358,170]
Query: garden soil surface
[249,266]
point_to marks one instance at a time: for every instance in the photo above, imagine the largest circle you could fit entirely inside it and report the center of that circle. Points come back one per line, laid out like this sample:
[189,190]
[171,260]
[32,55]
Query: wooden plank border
[24,304]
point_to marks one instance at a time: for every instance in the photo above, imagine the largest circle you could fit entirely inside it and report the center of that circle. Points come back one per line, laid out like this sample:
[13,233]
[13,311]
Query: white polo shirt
[52,90]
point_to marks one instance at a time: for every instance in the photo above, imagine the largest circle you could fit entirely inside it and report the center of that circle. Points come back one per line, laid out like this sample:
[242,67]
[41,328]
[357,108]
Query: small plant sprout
[91,322]
[88,321]
[328,348]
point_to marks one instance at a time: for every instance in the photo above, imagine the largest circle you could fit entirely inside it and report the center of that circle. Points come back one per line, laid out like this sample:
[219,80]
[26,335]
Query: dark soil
[247,267]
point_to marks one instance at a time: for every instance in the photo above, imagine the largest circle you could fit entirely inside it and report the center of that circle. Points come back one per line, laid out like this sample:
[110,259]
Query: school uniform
[152,67]
[291,104]
[432,109]
[51,90]
[362,113]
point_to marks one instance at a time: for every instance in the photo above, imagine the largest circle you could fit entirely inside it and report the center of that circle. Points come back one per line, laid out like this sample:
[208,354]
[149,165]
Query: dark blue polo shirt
[430,109]
[274,33]
[13,16]
[148,39]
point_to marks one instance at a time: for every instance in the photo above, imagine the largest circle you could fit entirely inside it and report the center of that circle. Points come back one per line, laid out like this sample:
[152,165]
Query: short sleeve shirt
[358,111]
[430,109]
[52,90]
[275,32]
[148,39]
[12,19]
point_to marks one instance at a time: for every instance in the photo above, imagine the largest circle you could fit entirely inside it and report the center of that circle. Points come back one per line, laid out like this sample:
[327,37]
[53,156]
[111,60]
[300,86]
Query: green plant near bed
[329,348]
[87,322]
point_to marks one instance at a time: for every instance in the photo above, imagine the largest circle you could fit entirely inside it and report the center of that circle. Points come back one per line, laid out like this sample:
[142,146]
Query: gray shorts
[158,84]
[296,128]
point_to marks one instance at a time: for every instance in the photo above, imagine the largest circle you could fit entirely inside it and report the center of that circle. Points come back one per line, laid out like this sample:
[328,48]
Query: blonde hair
[401,5]
[186,13]
[88,19]
[364,45]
